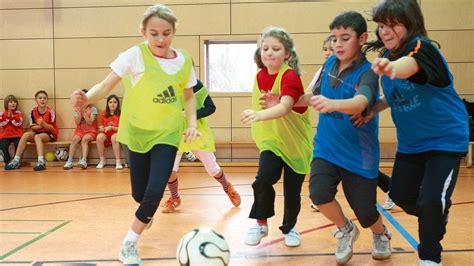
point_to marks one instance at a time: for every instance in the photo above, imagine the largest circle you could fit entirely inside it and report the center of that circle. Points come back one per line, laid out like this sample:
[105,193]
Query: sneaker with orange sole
[171,204]
[233,195]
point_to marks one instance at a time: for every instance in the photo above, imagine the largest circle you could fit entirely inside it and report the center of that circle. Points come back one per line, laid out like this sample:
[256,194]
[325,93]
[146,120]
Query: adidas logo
[167,96]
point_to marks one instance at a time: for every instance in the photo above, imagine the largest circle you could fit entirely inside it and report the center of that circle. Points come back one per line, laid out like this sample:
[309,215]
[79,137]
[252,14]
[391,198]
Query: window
[229,65]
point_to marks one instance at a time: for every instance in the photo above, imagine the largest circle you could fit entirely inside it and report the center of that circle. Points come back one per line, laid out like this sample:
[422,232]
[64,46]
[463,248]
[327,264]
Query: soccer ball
[61,154]
[203,246]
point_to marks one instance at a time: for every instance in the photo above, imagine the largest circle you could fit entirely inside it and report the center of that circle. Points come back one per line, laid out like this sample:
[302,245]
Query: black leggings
[149,173]
[270,167]
[422,185]
[4,144]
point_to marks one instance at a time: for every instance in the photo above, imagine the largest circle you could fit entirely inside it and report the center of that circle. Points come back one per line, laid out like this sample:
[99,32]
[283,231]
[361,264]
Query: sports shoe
[389,204]
[14,164]
[255,234]
[190,157]
[82,163]
[233,195]
[171,204]
[100,165]
[40,166]
[381,246]
[430,263]
[129,253]
[293,238]
[68,165]
[314,208]
[346,242]
[118,166]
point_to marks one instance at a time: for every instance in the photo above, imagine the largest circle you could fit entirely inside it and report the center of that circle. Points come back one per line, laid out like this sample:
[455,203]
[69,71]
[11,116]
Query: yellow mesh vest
[151,110]
[206,142]
[289,137]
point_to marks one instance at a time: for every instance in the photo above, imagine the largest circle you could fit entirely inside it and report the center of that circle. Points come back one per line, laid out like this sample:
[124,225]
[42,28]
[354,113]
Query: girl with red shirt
[11,121]
[86,131]
[108,126]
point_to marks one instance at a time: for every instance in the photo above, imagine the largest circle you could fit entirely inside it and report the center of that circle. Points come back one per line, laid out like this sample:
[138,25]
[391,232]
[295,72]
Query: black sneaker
[40,166]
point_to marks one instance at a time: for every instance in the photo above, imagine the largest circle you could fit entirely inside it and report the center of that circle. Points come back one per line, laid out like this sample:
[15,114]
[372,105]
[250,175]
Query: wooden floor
[79,217]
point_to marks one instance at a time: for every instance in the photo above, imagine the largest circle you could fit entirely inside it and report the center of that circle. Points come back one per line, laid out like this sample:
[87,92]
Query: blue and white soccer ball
[203,246]
[61,154]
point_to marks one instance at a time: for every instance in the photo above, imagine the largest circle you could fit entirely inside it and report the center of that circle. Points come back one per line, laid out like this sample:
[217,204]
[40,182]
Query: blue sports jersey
[427,117]
[336,139]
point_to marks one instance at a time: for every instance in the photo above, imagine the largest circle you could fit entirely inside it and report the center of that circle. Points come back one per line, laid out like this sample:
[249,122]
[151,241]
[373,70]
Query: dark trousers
[4,144]
[149,174]
[270,167]
[422,185]
[383,182]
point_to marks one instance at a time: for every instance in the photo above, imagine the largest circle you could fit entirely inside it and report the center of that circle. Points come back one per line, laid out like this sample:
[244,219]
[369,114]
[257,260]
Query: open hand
[78,100]
[269,100]
[383,66]
[248,117]
[191,134]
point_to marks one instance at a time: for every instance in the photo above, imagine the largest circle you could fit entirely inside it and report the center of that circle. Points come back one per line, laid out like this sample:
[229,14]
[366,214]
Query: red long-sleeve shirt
[11,126]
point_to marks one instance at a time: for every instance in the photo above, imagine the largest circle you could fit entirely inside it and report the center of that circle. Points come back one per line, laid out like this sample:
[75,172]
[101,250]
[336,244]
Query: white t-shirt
[131,62]
[315,78]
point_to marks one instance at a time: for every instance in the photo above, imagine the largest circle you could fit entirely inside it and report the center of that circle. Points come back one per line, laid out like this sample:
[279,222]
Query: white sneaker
[129,253]
[68,165]
[430,263]
[293,238]
[118,166]
[100,165]
[255,234]
[82,163]
[389,204]
[381,246]
[346,242]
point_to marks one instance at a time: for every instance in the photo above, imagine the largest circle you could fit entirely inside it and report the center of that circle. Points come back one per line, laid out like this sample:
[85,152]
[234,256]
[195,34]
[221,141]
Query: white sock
[17,158]
[131,236]
[41,159]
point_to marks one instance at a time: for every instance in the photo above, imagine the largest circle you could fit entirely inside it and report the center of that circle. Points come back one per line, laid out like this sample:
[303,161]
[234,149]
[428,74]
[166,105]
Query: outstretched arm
[348,106]
[284,107]
[402,68]
[97,92]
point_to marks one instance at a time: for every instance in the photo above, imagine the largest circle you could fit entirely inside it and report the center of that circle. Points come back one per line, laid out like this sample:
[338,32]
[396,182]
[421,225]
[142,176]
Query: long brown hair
[393,12]
[107,109]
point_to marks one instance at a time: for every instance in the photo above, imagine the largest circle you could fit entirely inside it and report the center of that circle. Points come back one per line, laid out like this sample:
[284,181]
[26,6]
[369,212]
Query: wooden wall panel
[456,46]
[144,3]
[448,14]
[307,16]
[222,117]
[100,52]
[69,80]
[239,104]
[17,4]
[463,77]
[26,23]
[24,83]
[26,54]
[102,22]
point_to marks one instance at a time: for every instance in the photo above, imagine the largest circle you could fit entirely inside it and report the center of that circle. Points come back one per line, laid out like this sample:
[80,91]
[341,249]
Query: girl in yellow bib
[151,125]
[204,149]
[282,134]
